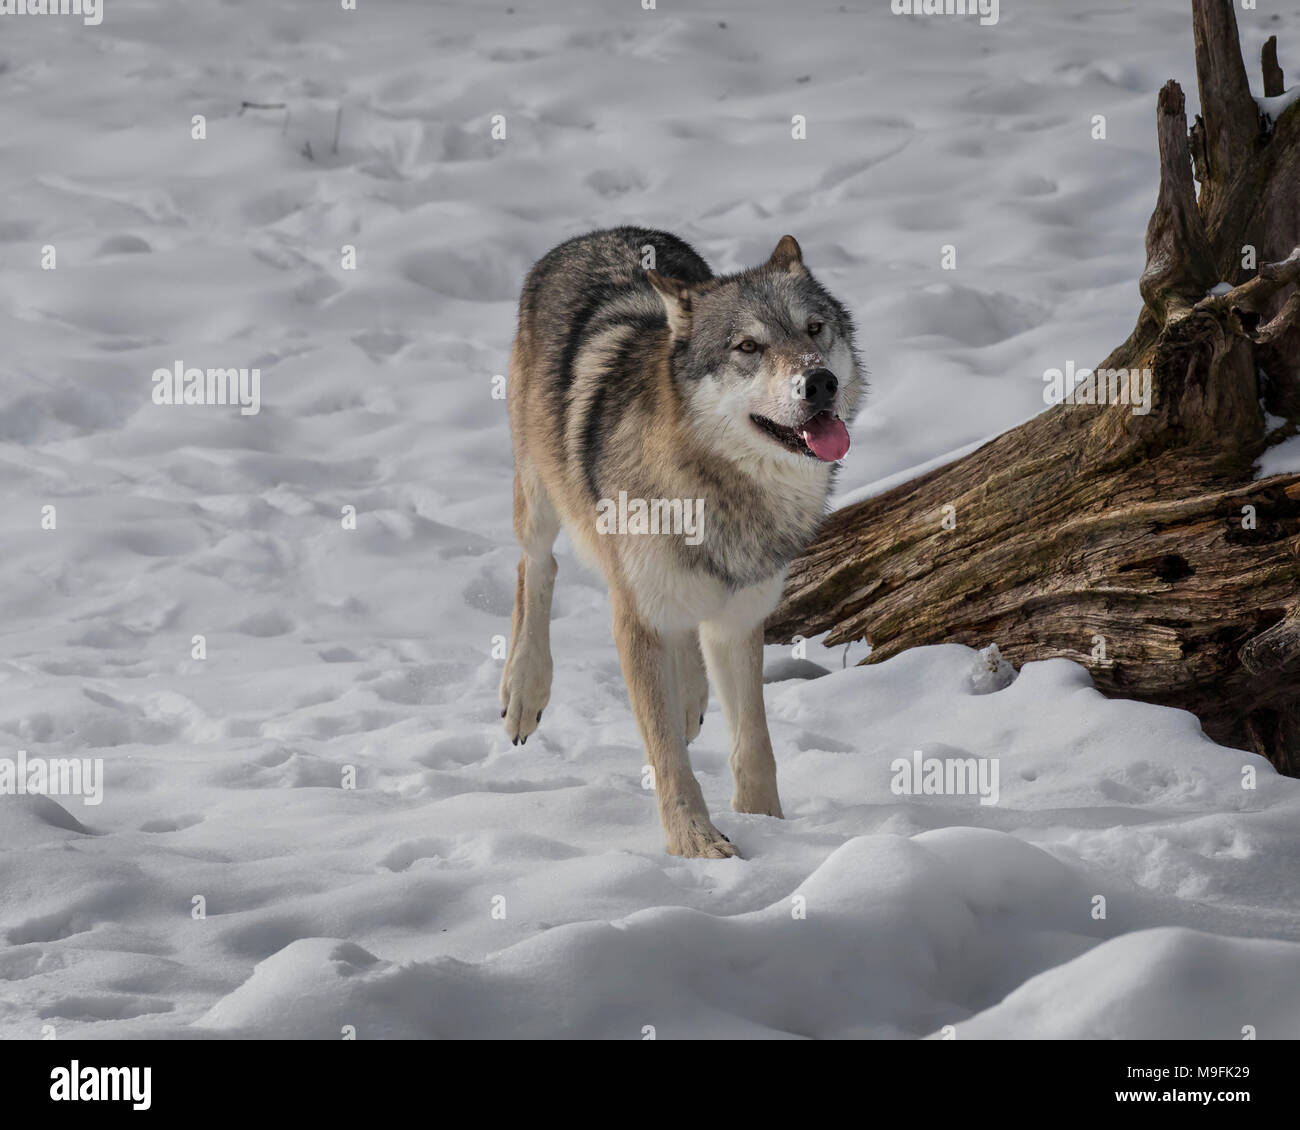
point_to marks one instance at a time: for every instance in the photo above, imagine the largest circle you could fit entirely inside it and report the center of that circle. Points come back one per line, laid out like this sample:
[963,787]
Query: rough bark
[1274,84]
[1137,545]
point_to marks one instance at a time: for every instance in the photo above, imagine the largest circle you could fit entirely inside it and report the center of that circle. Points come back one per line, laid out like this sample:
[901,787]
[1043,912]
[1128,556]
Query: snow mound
[1166,984]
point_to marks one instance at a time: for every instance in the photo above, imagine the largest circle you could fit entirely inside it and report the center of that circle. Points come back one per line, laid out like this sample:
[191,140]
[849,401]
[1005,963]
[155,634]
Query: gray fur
[595,283]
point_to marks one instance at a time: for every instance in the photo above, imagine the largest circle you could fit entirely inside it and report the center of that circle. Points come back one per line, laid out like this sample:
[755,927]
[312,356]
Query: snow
[1274,107]
[229,883]
[991,672]
[1280,459]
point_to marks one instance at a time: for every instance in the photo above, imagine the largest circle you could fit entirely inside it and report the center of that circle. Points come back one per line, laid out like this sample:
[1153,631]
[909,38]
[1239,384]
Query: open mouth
[822,436]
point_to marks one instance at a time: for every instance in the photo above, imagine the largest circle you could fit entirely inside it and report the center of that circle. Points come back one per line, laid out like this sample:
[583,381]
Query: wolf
[637,373]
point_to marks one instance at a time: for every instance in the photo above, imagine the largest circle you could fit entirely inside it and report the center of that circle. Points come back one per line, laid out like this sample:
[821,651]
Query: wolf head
[766,361]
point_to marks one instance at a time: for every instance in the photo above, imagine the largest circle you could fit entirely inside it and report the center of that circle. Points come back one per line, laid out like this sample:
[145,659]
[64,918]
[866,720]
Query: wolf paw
[525,691]
[697,838]
[694,722]
[758,803]
[695,699]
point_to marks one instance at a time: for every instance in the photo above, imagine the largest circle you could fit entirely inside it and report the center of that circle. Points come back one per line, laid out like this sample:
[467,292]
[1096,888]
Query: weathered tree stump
[1137,545]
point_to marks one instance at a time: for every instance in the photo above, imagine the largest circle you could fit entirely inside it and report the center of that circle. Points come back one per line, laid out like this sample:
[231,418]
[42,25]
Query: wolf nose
[817,388]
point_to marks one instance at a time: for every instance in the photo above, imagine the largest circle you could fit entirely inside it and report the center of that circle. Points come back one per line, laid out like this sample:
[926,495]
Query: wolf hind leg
[526,680]
[692,682]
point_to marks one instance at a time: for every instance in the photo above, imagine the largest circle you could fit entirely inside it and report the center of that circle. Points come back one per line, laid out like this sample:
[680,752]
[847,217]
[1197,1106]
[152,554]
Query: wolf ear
[787,257]
[677,303]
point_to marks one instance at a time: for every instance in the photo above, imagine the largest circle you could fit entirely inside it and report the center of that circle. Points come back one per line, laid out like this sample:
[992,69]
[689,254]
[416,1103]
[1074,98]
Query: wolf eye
[749,345]
[815,327]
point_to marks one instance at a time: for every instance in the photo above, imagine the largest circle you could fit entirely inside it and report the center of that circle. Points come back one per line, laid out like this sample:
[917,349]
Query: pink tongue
[826,436]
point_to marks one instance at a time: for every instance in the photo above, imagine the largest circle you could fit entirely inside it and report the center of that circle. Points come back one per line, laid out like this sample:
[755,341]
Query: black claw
[701,719]
[503,711]
[725,836]
[523,741]
[514,741]
[539,716]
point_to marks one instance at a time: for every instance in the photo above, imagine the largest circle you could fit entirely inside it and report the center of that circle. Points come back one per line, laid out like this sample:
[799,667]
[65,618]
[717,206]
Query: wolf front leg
[652,677]
[735,660]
